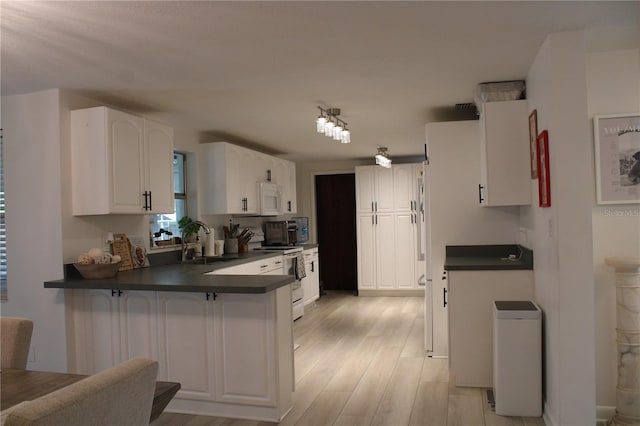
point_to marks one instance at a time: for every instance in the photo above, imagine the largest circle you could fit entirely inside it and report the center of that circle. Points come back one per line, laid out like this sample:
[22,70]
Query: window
[3,234]
[165,226]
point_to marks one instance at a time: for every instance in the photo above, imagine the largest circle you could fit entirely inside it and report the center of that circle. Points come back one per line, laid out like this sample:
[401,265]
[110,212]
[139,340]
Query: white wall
[613,87]
[33,217]
[561,235]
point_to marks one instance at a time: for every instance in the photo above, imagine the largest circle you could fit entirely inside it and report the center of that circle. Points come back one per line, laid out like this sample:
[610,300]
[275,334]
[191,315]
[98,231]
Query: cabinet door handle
[376,219]
[376,206]
[289,204]
[372,207]
[412,218]
[150,202]
[116,293]
[480,188]
[269,175]
[372,220]
[145,194]
[444,297]
[312,267]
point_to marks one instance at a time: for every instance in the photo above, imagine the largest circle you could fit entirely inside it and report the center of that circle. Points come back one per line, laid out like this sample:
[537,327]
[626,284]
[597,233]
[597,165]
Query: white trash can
[517,358]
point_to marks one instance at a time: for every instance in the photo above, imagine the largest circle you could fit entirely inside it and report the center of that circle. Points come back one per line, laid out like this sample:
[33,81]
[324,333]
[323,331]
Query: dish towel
[298,268]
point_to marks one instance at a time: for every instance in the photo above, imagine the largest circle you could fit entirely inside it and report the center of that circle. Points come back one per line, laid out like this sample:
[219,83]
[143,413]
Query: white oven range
[289,256]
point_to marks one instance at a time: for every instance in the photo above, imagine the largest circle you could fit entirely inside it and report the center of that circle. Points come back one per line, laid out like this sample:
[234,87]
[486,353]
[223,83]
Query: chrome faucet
[202,225]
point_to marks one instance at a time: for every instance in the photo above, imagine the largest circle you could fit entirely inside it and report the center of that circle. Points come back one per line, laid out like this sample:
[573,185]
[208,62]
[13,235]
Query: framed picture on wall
[533,136]
[617,152]
[544,184]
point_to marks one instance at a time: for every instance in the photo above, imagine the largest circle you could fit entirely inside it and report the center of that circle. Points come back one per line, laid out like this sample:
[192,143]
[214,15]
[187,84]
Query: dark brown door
[336,216]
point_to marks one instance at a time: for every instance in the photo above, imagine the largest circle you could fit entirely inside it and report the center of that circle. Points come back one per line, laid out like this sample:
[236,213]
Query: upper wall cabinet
[504,154]
[230,176]
[229,179]
[120,163]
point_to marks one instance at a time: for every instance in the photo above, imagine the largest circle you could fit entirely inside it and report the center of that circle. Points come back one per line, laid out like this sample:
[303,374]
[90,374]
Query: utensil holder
[242,247]
[231,245]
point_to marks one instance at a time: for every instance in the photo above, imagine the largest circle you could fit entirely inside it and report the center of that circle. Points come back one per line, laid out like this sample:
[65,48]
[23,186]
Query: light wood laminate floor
[361,361]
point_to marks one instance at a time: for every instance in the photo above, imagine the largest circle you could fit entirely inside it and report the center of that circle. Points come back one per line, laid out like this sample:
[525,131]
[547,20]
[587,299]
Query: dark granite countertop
[183,277]
[308,246]
[488,257]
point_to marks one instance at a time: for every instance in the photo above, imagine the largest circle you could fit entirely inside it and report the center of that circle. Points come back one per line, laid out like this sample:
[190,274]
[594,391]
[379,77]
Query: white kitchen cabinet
[138,324]
[246,374]
[505,178]
[229,179]
[384,231]
[387,213]
[231,353]
[230,176]
[287,181]
[405,185]
[114,328]
[311,283]
[470,300]
[185,335]
[96,330]
[158,149]
[384,190]
[271,265]
[367,251]
[376,252]
[120,163]
[406,254]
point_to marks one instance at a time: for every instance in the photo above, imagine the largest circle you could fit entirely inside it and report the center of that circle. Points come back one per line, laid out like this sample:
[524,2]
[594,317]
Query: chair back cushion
[121,395]
[15,338]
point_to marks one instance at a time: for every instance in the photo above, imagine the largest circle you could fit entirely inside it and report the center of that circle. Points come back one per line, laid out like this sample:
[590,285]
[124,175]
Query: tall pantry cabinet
[387,214]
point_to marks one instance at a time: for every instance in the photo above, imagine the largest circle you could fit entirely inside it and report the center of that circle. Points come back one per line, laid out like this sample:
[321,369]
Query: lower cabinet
[470,300]
[185,339]
[232,353]
[245,375]
[311,283]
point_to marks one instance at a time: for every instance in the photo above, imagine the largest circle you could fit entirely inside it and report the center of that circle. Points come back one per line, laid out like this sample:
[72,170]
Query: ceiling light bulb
[345,137]
[337,132]
[320,122]
[328,128]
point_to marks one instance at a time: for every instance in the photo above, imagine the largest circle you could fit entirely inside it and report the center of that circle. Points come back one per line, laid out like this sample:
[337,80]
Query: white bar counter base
[232,353]
[628,339]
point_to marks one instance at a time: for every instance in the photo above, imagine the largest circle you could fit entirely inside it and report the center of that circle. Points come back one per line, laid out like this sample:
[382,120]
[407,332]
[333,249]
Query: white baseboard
[391,293]
[604,414]
[548,420]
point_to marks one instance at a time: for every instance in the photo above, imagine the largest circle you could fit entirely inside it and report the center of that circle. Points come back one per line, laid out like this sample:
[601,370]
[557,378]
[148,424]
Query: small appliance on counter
[287,232]
[302,229]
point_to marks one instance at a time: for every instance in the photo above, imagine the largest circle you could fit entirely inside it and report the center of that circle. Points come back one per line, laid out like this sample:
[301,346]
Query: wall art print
[617,152]
[544,184]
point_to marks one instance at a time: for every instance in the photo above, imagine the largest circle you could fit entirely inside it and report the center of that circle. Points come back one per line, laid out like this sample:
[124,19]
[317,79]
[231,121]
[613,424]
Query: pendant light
[382,158]
[332,126]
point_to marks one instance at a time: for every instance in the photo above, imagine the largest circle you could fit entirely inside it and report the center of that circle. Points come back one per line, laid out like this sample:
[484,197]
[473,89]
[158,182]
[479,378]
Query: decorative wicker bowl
[98,271]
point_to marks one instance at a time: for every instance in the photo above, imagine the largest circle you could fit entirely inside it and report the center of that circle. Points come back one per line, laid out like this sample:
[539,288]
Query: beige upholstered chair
[121,395]
[15,338]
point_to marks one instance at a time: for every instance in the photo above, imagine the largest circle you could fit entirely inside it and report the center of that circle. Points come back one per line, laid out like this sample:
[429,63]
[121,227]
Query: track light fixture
[382,158]
[332,126]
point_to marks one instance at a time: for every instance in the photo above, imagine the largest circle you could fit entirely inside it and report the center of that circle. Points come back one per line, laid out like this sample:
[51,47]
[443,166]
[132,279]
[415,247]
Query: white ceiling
[255,72]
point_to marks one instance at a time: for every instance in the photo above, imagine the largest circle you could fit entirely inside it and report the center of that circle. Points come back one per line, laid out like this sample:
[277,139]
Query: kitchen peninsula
[228,339]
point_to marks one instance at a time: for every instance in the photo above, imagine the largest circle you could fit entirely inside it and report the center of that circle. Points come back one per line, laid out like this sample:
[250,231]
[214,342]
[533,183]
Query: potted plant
[188,228]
